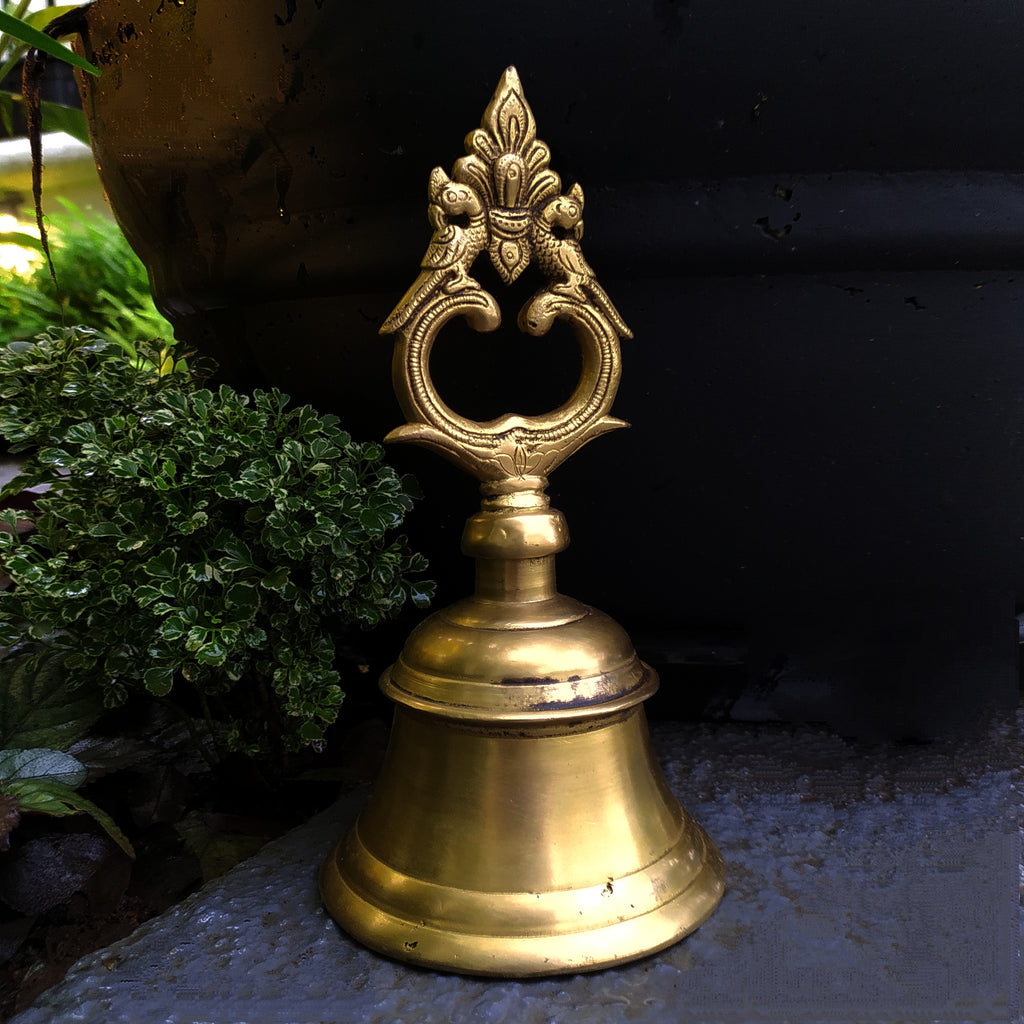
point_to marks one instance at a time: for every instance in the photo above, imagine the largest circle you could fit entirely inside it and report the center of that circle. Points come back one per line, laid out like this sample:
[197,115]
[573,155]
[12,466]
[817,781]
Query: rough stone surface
[43,872]
[865,884]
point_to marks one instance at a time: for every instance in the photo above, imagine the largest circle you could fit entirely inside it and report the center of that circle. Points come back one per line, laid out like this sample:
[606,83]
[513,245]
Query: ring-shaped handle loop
[512,446]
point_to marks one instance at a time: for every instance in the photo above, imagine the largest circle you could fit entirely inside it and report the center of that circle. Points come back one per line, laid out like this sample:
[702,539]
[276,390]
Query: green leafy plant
[39,720]
[20,30]
[102,281]
[43,781]
[195,539]
[36,709]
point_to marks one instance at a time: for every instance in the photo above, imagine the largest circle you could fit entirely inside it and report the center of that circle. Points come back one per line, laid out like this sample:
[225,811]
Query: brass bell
[520,825]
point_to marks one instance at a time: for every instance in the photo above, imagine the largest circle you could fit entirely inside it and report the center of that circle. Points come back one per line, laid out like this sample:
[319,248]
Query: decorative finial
[504,198]
[509,167]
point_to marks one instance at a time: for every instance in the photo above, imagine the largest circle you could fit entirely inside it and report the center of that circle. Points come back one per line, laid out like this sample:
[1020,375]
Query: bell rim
[532,952]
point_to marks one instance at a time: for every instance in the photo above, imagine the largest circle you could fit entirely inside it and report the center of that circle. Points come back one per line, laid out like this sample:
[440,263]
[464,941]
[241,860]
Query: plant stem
[210,727]
[193,733]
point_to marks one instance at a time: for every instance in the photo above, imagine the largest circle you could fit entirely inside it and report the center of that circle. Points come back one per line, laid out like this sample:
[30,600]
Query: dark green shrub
[195,538]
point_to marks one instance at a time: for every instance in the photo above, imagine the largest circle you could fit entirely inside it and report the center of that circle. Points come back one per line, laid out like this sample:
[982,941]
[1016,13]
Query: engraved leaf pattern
[512,123]
[471,170]
[541,186]
[519,460]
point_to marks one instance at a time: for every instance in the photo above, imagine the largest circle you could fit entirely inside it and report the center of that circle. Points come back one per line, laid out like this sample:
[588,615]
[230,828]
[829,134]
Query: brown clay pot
[221,135]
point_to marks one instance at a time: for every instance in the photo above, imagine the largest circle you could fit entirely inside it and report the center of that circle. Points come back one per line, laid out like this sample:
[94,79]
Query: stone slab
[875,884]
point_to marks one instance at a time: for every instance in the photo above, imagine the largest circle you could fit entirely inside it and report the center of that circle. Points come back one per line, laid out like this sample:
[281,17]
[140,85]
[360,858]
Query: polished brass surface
[521,825]
[504,198]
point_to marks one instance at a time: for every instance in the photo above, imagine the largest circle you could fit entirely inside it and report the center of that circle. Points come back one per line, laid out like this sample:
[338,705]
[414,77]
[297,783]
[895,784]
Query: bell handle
[512,446]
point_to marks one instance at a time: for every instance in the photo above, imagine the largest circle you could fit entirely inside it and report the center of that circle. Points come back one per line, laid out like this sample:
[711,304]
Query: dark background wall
[811,214]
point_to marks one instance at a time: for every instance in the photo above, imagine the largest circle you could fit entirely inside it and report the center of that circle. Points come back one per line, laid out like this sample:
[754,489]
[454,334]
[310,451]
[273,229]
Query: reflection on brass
[521,825]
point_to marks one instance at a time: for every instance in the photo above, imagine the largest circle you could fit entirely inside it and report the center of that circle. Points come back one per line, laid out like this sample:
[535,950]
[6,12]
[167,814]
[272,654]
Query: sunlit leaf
[43,796]
[40,763]
[27,34]
[22,239]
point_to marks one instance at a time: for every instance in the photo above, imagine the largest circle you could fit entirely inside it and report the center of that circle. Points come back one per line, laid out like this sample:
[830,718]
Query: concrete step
[865,884]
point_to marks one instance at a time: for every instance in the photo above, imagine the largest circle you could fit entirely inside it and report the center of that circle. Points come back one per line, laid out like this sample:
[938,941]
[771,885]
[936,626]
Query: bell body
[532,851]
[520,825]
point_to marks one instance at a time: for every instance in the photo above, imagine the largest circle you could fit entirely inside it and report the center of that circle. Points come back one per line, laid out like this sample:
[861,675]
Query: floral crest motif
[508,165]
